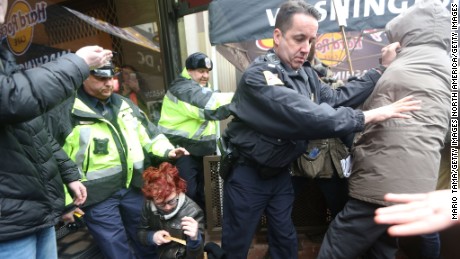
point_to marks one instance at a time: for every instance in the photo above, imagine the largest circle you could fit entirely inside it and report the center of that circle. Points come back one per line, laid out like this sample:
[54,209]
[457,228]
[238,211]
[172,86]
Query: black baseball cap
[198,60]
[106,70]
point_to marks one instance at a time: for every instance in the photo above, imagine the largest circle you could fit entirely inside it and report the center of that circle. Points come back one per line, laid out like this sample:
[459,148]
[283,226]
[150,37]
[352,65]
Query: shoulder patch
[272,79]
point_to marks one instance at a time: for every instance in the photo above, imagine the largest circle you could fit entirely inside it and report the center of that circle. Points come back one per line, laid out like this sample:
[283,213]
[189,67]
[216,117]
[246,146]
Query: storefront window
[40,31]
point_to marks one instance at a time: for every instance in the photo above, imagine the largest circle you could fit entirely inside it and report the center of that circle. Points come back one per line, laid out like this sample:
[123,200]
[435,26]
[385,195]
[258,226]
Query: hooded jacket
[32,163]
[403,155]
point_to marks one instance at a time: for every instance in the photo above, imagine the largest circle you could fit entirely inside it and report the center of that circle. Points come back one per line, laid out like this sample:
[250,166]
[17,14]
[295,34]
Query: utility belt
[264,172]
[229,157]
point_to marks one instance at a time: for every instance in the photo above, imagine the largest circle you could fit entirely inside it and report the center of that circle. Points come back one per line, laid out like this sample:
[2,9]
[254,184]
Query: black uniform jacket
[275,115]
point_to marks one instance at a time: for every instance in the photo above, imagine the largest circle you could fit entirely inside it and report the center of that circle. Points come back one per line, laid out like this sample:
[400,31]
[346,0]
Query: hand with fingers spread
[397,109]
[95,56]
[420,213]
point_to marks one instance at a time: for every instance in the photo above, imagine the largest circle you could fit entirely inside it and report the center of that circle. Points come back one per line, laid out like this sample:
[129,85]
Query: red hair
[160,182]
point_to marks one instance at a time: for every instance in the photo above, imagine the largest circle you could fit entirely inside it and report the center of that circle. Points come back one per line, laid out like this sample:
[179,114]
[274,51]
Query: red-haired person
[168,212]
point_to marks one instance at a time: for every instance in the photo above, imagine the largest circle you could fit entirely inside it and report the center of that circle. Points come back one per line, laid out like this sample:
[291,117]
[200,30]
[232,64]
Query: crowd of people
[70,141]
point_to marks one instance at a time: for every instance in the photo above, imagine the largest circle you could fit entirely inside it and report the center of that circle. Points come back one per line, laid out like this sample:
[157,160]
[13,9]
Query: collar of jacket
[115,99]
[272,58]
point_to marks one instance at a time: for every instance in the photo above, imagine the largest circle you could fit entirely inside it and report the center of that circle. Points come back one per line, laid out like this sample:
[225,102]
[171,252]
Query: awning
[243,20]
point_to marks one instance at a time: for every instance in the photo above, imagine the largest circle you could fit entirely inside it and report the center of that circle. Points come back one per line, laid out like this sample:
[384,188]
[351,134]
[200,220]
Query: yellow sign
[329,47]
[19,27]
[265,44]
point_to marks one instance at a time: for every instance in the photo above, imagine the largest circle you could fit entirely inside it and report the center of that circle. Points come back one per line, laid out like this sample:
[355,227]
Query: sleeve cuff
[150,238]
[166,154]
[359,121]
[380,69]
[194,244]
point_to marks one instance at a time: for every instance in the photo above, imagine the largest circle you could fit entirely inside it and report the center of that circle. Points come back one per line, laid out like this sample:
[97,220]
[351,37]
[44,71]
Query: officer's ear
[277,34]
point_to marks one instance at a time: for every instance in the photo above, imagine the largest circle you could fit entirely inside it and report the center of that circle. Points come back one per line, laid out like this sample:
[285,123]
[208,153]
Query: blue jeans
[40,245]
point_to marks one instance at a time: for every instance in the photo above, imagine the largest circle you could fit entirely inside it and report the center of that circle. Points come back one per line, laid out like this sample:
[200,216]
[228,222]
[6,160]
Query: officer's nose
[305,47]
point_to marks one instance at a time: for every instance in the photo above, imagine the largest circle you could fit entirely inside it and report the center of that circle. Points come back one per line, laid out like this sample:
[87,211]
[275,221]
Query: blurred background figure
[130,87]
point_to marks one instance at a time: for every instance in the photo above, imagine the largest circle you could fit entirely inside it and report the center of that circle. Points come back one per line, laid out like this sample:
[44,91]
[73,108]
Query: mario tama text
[454,114]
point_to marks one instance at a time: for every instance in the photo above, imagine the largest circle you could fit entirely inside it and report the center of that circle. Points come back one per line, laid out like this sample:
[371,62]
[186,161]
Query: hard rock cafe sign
[19,25]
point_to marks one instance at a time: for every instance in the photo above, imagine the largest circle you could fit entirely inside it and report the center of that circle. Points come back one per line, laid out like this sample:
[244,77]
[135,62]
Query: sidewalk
[308,246]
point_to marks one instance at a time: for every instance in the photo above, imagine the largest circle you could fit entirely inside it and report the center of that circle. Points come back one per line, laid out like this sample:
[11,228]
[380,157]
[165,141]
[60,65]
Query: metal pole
[345,42]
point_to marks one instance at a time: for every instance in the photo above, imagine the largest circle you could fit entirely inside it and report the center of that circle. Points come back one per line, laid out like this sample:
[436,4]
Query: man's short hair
[289,8]
[198,60]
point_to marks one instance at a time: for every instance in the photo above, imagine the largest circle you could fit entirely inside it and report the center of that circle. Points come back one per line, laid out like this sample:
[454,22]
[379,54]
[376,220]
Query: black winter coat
[32,164]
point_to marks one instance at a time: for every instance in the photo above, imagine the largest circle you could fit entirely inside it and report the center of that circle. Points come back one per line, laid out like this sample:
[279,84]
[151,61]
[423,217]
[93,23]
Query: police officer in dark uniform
[279,105]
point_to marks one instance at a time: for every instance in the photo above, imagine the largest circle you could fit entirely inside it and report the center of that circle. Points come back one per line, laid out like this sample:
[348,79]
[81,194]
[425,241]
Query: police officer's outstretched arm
[156,143]
[355,92]
[397,109]
[211,105]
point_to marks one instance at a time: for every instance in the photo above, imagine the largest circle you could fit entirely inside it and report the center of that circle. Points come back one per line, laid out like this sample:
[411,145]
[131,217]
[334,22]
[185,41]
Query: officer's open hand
[398,109]
[178,152]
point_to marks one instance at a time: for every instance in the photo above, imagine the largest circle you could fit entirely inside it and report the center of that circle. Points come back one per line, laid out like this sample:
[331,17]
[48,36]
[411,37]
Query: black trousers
[247,196]
[192,171]
[353,233]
